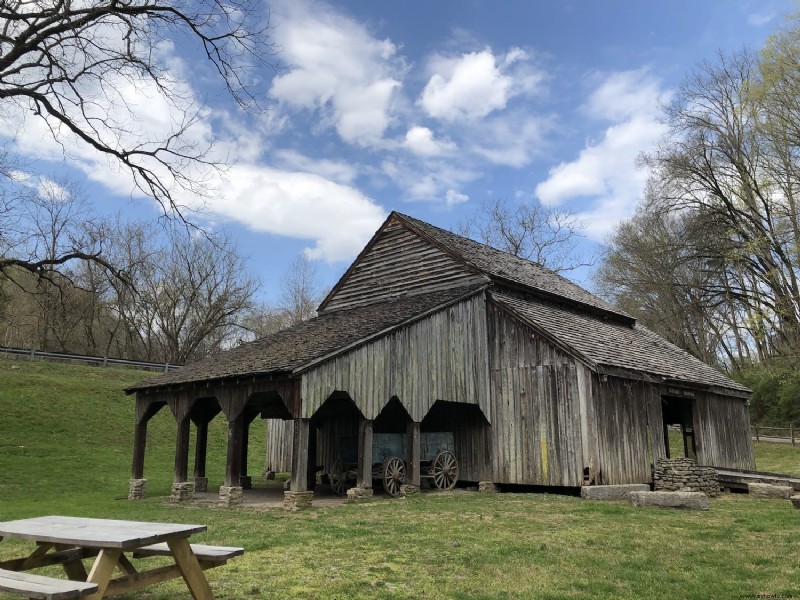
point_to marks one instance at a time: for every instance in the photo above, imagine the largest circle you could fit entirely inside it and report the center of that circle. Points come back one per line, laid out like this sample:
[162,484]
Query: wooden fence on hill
[103,361]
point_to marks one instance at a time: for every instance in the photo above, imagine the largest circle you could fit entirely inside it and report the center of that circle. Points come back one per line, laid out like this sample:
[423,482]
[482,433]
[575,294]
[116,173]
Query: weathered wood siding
[441,357]
[329,436]
[535,390]
[471,438]
[399,263]
[628,430]
[279,445]
[722,432]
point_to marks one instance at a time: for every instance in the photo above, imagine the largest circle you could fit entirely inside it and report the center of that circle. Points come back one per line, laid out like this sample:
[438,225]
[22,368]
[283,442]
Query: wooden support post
[245,445]
[233,466]
[311,470]
[182,451]
[248,417]
[200,449]
[413,475]
[364,476]
[139,442]
[145,410]
[300,455]
[791,432]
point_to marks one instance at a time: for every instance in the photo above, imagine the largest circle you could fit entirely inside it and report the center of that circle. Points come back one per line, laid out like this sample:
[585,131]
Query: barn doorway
[679,439]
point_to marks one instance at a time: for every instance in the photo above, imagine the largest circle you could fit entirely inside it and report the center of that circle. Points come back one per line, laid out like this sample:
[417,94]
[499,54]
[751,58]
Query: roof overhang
[379,334]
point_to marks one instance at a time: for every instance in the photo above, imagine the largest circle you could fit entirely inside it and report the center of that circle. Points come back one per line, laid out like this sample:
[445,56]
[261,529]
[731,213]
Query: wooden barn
[430,338]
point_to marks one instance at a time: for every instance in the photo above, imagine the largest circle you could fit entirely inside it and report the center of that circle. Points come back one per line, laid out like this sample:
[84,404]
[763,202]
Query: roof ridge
[511,270]
[478,243]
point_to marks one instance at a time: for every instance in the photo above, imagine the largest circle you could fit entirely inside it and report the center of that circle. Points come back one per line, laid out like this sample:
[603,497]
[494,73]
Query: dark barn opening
[677,412]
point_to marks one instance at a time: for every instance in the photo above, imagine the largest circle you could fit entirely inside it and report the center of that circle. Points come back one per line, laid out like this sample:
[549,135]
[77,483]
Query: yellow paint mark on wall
[545,478]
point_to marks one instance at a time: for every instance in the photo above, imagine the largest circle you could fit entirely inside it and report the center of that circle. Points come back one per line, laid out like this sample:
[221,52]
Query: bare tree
[718,163]
[300,294]
[71,65]
[545,235]
[191,297]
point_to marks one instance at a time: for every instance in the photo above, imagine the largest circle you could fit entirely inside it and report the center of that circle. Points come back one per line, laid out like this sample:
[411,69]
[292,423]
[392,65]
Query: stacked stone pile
[684,475]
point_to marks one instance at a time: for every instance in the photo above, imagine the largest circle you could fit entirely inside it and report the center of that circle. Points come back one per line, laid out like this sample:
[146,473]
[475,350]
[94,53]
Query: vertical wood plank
[139,444]
[413,433]
[299,482]
[233,464]
[201,449]
[181,472]
[364,477]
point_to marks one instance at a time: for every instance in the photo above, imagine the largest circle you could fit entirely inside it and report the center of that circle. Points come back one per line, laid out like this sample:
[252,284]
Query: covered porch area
[194,407]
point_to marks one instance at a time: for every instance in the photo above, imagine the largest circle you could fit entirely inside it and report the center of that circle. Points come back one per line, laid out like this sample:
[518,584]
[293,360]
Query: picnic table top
[96,533]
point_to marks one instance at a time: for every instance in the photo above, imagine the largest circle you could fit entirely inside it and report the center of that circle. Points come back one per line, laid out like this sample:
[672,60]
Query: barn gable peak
[407,256]
[399,261]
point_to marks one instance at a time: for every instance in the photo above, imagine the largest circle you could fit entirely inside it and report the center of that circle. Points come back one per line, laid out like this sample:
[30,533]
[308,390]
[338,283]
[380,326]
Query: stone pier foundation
[297,500]
[408,490]
[357,493]
[230,496]
[182,491]
[487,487]
[137,490]
[201,485]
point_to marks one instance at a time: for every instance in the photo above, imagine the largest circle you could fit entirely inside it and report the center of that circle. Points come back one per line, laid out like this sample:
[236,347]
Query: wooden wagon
[437,461]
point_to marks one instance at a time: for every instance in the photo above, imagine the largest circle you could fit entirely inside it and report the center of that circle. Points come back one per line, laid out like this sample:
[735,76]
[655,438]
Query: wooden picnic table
[68,540]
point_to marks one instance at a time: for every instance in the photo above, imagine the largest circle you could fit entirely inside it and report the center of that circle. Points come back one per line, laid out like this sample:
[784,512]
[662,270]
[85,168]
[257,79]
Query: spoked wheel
[338,476]
[444,470]
[394,475]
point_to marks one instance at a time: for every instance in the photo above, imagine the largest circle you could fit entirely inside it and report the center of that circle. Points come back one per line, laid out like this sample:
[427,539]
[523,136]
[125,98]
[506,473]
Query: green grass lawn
[65,448]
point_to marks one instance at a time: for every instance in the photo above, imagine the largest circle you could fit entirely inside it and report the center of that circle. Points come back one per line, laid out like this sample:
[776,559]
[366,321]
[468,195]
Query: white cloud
[434,181]
[760,18]
[338,219]
[125,113]
[624,94]
[475,84]
[420,140]
[605,171]
[454,197]
[338,68]
[338,171]
[511,139]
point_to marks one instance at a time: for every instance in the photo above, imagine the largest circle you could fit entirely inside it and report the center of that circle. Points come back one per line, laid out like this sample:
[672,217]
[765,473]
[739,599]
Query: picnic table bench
[42,587]
[69,540]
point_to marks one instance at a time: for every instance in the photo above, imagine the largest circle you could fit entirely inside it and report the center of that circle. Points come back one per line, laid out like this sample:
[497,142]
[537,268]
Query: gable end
[398,262]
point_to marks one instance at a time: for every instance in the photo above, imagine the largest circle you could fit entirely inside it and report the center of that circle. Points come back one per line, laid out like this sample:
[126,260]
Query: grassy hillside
[66,435]
[66,432]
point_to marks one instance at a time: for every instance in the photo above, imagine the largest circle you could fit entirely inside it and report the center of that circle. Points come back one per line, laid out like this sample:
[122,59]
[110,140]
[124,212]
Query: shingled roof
[507,268]
[605,343]
[291,349]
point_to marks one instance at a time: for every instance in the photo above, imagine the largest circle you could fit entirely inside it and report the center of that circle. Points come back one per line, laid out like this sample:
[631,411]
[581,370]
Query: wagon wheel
[394,475]
[444,470]
[338,476]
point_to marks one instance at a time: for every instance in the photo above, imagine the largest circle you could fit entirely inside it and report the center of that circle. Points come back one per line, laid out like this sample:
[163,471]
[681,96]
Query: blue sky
[430,108]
